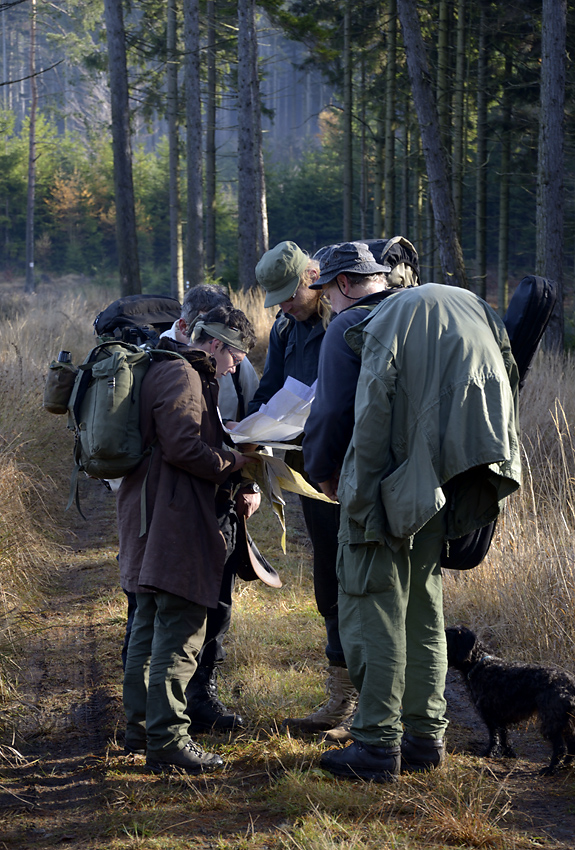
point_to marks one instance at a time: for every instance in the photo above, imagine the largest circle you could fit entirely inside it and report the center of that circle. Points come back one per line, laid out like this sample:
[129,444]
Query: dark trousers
[322,523]
[168,632]
[218,619]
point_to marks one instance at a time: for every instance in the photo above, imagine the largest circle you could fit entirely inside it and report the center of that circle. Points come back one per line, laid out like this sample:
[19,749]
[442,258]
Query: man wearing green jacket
[435,448]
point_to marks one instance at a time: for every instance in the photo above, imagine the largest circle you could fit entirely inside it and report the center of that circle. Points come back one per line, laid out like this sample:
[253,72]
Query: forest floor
[67,783]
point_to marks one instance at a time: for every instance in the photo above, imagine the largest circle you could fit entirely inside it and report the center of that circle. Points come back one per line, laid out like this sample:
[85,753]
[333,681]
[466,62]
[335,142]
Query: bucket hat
[279,272]
[352,257]
[249,562]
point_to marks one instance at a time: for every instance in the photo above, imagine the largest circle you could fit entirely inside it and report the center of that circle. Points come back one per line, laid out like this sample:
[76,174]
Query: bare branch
[29,76]
[5,6]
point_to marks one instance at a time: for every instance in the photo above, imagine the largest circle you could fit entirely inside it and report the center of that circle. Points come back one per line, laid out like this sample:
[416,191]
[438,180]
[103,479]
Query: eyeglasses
[293,297]
[235,358]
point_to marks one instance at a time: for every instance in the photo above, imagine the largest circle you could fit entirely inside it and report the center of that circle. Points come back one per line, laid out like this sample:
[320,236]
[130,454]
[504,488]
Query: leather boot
[205,710]
[419,754]
[341,733]
[364,761]
[341,704]
[191,759]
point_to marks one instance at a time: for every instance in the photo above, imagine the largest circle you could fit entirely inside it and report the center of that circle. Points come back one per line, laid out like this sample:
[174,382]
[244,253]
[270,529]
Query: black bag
[137,318]
[527,316]
[400,254]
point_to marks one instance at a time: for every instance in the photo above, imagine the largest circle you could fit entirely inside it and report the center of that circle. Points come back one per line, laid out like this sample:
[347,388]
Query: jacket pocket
[411,494]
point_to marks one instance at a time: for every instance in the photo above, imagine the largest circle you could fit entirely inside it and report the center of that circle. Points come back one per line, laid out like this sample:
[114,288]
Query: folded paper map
[274,475]
[282,419]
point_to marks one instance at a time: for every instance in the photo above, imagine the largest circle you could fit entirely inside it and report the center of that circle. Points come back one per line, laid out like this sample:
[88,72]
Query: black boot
[204,708]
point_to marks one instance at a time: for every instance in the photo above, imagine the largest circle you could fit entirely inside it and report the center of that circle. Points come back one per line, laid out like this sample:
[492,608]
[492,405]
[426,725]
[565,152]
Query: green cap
[279,272]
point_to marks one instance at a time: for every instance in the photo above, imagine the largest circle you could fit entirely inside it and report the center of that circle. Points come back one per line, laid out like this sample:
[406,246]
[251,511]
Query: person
[287,274]
[354,283]
[236,389]
[434,449]
[176,563]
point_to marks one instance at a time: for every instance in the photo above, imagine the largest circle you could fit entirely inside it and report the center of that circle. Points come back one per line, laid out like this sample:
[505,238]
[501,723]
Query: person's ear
[313,275]
[183,327]
[343,283]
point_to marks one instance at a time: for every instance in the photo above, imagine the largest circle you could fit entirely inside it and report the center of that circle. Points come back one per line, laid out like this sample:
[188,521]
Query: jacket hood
[200,360]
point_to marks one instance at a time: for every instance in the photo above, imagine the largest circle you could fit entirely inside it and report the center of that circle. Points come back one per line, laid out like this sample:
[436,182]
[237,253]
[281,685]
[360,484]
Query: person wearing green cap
[288,274]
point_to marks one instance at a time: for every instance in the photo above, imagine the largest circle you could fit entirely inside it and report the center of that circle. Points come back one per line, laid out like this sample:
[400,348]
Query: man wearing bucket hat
[433,419]
[287,274]
[354,283]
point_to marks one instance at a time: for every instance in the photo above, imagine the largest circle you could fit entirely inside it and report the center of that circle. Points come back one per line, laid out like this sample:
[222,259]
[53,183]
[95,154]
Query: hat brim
[253,564]
[278,296]
[363,269]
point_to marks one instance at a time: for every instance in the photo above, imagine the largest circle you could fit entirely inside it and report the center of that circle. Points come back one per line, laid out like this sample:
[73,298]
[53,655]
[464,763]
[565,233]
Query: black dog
[505,692]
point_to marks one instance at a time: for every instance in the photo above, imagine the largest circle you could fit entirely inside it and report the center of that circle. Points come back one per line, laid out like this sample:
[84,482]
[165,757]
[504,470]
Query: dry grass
[522,596]
[262,319]
[35,449]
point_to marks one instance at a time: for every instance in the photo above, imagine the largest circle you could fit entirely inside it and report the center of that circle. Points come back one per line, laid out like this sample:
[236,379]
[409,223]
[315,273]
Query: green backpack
[104,412]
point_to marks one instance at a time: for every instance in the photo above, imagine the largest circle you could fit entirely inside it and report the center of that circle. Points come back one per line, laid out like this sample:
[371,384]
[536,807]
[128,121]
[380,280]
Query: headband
[227,335]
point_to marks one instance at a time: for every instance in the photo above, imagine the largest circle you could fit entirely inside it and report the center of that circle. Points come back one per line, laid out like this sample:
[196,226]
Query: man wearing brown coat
[172,553]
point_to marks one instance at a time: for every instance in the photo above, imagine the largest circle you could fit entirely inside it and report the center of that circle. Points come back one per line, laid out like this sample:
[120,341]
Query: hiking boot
[340,734]
[364,761]
[205,709]
[191,759]
[419,754]
[341,705]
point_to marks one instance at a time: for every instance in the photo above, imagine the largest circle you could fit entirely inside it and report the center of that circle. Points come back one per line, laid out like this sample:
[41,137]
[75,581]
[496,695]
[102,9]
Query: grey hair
[202,298]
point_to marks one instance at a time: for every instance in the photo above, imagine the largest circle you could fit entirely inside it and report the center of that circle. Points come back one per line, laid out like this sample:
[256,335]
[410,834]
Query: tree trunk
[442,73]
[126,236]
[550,166]
[247,177]
[363,156]
[450,253]
[481,173]
[347,128]
[261,203]
[390,85]
[378,177]
[194,271]
[458,116]
[211,142]
[31,195]
[503,258]
[176,248]
[406,169]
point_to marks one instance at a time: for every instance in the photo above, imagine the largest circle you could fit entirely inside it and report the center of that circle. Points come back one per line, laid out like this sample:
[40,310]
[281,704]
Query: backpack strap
[241,411]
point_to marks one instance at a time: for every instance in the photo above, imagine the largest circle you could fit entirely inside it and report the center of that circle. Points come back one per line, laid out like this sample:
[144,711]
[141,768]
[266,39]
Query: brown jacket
[183,551]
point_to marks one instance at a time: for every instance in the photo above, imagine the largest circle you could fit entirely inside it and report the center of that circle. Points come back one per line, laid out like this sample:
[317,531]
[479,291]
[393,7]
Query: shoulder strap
[241,411]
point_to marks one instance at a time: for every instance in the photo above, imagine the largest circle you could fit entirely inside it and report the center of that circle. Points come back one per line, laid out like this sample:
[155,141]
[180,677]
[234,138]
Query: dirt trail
[56,794]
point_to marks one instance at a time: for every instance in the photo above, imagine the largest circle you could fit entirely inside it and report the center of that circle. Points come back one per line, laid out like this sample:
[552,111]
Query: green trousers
[392,632]
[167,634]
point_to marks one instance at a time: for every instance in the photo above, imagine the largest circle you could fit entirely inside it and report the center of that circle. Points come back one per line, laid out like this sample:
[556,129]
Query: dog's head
[460,644]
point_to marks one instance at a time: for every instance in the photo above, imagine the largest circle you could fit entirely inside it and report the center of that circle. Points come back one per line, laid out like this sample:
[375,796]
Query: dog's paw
[509,753]
[547,771]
